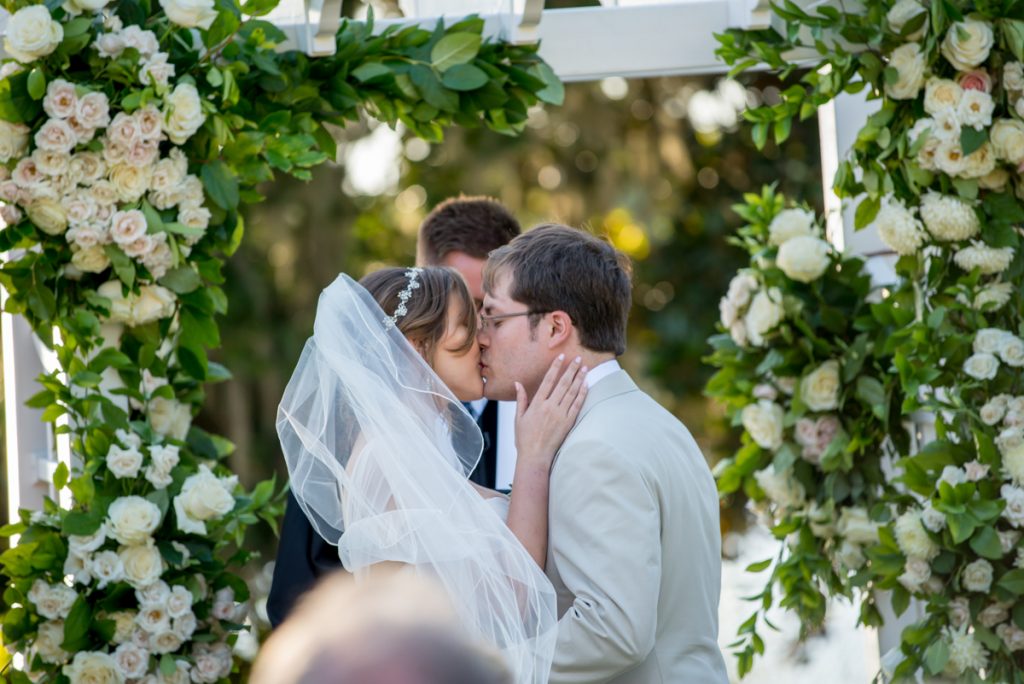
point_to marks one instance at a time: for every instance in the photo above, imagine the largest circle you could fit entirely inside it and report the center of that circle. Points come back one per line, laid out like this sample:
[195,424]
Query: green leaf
[872,392]
[61,475]
[759,566]
[1013,582]
[553,92]
[936,656]
[16,105]
[1013,33]
[76,626]
[972,138]
[36,84]
[221,185]
[154,223]
[81,524]
[168,665]
[435,94]
[181,280]
[985,543]
[259,8]
[867,210]
[453,49]
[371,71]
[124,267]
[464,77]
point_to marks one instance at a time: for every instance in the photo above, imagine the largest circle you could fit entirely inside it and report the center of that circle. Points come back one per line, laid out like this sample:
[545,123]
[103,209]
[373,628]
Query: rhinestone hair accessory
[413,275]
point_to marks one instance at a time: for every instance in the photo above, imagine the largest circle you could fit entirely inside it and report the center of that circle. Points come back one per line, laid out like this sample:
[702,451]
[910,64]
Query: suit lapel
[615,384]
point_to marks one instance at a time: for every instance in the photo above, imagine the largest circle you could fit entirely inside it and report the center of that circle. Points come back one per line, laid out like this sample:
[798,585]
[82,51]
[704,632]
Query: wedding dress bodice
[498,504]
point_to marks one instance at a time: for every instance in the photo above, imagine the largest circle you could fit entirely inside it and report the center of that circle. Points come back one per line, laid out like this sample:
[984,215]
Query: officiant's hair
[557,268]
[474,225]
[426,319]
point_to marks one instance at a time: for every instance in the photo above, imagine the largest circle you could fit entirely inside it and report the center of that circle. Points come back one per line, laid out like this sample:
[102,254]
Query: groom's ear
[562,329]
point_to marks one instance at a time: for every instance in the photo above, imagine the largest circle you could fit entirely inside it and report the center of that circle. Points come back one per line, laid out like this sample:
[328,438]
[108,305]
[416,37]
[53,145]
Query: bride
[379,448]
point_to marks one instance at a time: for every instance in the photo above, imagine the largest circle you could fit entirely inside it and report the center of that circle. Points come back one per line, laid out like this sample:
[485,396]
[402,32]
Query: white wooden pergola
[619,38]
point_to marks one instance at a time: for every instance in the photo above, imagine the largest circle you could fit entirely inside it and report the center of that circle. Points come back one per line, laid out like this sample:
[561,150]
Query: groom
[634,548]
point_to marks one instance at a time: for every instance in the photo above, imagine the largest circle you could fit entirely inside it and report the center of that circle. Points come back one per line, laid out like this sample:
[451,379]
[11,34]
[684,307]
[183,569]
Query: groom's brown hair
[557,268]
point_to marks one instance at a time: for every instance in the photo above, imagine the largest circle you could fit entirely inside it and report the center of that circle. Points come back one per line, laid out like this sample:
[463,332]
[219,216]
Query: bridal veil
[379,452]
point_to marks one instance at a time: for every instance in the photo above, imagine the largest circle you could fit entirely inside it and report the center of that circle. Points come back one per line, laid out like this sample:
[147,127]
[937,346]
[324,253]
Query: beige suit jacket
[634,551]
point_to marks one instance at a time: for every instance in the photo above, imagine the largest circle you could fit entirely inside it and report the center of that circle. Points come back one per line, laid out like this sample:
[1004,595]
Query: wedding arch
[131,131]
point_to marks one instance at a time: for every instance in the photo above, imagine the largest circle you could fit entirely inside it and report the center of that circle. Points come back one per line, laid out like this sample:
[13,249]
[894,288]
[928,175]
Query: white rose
[159,258]
[77,566]
[179,602]
[123,462]
[93,110]
[211,662]
[132,662]
[981,366]
[1011,446]
[166,176]
[855,526]
[898,227]
[1013,76]
[1007,138]
[909,63]
[932,519]
[93,667]
[143,563]
[60,100]
[850,555]
[900,15]
[127,226]
[129,181]
[782,488]
[977,576]
[1008,539]
[1012,636]
[183,113]
[941,94]
[1011,351]
[166,641]
[975,470]
[952,475]
[190,13]
[912,538]
[959,611]
[26,174]
[120,306]
[185,626]
[196,217]
[47,643]
[787,224]
[156,70]
[804,258]
[994,410]
[157,593]
[764,314]
[124,625]
[820,389]
[32,33]
[82,544]
[52,601]
[132,519]
[203,497]
[13,141]
[980,163]
[152,303]
[48,216]
[106,566]
[916,573]
[988,260]
[56,135]
[995,179]
[949,157]
[764,422]
[948,218]
[988,340]
[143,153]
[153,618]
[144,41]
[967,44]
[10,215]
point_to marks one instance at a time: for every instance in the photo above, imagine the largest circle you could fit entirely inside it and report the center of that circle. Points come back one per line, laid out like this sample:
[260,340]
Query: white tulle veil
[379,450]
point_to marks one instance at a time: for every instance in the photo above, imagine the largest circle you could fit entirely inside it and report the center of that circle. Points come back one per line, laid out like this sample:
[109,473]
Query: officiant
[459,233]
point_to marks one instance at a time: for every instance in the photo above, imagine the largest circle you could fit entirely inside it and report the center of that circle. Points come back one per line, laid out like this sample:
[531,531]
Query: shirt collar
[602,371]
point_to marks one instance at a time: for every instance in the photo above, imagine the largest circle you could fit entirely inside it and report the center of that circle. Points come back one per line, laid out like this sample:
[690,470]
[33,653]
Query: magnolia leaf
[61,475]
[36,84]
[181,280]
[553,92]
[936,656]
[124,267]
[464,77]
[972,138]
[371,71]
[985,543]
[435,94]
[221,185]
[455,48]
[259,8]
[1013,582]
[866,212]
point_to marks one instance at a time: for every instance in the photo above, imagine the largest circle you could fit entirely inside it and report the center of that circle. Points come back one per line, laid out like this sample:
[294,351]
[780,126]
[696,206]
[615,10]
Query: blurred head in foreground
[392,628]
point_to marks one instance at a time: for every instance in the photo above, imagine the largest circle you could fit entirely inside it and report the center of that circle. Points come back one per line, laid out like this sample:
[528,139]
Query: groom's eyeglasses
[488,322]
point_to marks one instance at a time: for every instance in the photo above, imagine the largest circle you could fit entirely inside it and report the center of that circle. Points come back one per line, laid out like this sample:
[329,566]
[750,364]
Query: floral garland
[801,372]
[940,168]
[129,135]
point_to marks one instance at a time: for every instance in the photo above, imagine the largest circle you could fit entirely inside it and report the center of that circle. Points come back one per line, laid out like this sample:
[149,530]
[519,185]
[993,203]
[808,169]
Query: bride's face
[459,369]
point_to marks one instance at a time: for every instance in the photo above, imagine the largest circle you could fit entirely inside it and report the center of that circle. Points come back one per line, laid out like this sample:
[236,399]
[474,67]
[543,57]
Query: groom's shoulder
[625,413]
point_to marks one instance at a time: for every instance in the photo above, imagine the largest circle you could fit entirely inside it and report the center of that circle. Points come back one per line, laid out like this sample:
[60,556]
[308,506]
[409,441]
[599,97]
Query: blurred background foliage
[653,164]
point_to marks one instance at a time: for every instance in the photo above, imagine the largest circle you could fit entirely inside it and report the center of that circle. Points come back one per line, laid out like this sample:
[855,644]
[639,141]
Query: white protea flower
[993,297]
[912,537]
[898,227]
[988,260]
[965,652]
[948,218]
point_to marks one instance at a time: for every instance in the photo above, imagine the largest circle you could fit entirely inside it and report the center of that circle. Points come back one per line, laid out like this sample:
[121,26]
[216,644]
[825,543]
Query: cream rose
[47,643]
[912,537]
[764,422]
[855,526]
[203,497]
[123,462]
[93,667]
[93,110]
[850,555]
[82,544]
[127,226]
[132,662]
[968,43]
[1011,351]
[13,141]
[790,223]
[32,33]
[803,258]
[1007,138]
[143,563]
[132,519]
[942,94]
[909,63]
[169,417]
[902,13]
[995,179]
[152,303]
[781,487]
[129,181]
[124,625]
[179,602]
[48,216]
[91,259]
[60,100]
[56,135]
[183,113]
[107,568]
[977,576]
[190,13]
[52,601]
[820,389]
[764,314]
[916,573]
[144,41]
[981,366]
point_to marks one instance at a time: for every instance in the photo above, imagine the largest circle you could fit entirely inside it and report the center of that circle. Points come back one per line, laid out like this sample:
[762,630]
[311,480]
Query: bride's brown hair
[426,320]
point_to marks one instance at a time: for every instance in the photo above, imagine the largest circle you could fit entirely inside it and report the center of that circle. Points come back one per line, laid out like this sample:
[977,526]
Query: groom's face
[509,350]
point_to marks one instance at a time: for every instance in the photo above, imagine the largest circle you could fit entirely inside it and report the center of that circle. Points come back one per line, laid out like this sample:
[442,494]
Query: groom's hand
[543,422]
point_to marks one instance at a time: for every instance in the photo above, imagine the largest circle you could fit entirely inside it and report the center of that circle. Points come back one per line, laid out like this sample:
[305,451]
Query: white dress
[498,504]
